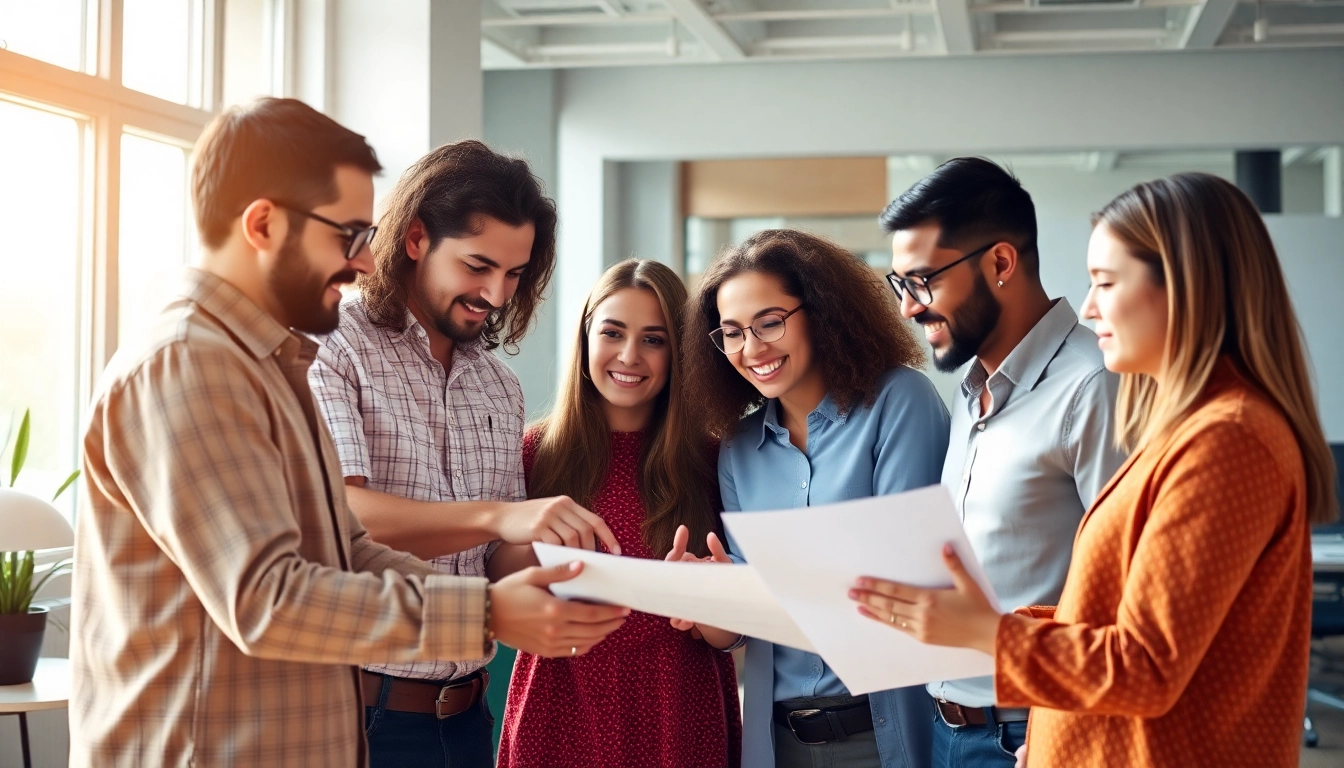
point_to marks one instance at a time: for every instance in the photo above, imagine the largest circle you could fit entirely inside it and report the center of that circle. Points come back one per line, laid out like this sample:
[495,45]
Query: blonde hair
[1205,241]
[676,482]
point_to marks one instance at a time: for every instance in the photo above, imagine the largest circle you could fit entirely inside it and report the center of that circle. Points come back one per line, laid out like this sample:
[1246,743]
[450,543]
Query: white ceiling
[558,34]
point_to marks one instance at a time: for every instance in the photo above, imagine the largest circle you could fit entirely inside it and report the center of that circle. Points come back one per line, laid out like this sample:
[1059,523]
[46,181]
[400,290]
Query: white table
[50,689]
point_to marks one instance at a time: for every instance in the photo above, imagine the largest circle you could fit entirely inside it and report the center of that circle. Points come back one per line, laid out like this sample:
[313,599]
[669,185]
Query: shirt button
[457,474]
[980,426]
[803,484]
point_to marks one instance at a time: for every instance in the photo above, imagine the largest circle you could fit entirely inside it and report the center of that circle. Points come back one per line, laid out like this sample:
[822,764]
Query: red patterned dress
[647,696]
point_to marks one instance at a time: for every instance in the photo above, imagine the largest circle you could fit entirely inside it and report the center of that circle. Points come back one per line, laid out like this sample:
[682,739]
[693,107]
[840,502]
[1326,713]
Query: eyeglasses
[918,285]
[730,339]
[355,239]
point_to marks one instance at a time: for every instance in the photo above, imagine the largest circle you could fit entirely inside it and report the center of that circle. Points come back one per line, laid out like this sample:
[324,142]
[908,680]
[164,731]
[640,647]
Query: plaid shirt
[415,431]
[223,592]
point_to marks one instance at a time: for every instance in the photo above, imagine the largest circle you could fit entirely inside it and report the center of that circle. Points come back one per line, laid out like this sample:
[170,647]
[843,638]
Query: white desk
[50,689]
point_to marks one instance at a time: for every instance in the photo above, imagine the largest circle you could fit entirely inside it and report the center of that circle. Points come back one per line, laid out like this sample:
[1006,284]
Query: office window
[162,49]
[54,31]
[42,221]
[156,234]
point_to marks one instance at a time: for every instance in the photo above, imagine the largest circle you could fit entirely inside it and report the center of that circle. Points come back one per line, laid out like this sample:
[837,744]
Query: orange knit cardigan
[1182,635]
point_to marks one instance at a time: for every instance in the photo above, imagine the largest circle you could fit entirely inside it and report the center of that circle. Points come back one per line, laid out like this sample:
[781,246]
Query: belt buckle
[943,716]
[801,713]
[443,693]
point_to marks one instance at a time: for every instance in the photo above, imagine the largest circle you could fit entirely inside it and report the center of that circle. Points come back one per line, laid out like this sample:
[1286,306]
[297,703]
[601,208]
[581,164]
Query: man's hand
[712,635]
[524,615]
[557,520]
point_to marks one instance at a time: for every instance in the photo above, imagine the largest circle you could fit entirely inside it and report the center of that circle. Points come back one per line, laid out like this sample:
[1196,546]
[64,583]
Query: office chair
[1327,604]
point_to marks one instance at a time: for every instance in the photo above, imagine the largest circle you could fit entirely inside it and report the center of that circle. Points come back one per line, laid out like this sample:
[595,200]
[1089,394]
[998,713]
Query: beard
[302,290]
[460,333]
[967,329]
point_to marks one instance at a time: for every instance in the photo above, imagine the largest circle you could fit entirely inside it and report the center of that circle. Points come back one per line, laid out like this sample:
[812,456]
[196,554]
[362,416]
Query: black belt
[818,725]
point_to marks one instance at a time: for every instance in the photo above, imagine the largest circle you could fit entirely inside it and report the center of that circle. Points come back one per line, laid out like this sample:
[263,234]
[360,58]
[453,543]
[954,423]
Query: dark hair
[449,190]
[271,148]
[973,201]
[857,333]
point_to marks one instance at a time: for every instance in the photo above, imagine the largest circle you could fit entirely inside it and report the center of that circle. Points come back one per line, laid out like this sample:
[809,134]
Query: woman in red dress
[619,442]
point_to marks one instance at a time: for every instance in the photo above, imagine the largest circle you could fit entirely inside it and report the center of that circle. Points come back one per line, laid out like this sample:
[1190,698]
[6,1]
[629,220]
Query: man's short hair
[273,148]
[973,201]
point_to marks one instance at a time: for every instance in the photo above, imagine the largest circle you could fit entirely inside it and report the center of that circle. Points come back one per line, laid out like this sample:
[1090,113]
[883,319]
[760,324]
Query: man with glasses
[224,594]
[428,421]
[1032,439]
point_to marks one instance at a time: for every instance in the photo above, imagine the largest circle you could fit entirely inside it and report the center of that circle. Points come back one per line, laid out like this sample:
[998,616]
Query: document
[730,597]
[809,558]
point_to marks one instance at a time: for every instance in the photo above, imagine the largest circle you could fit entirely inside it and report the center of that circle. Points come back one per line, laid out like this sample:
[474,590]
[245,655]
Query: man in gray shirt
[1032,439]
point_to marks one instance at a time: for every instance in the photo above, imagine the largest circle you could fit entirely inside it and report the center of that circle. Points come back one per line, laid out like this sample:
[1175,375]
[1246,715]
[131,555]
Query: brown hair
[1204,240]
[271,148]
[857,332]
[676,481]
[449,190]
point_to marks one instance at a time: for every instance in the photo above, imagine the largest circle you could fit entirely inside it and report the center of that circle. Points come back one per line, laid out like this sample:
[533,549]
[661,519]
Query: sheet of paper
[730,597]
[809,558]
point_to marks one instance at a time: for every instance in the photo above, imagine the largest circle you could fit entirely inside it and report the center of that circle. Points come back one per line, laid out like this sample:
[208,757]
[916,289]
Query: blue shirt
[896,444]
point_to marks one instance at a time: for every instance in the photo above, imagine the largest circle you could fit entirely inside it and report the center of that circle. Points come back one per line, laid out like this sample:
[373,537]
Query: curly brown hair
[857,332]
[449,190]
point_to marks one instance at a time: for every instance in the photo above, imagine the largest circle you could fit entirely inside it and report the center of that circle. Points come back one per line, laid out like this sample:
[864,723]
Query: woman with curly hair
[800,335]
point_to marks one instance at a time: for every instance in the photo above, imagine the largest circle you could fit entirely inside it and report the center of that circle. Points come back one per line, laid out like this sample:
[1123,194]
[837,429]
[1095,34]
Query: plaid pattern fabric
[223,592]
[415,431]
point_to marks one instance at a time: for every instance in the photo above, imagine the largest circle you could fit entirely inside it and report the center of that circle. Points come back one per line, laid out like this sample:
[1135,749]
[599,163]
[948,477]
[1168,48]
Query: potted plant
[27,524]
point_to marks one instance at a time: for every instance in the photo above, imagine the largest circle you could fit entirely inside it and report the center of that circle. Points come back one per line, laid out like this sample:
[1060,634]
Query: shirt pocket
[499,470]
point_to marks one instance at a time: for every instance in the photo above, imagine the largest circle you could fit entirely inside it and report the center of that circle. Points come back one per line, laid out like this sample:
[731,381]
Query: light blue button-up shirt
[1023,474]
[896,444]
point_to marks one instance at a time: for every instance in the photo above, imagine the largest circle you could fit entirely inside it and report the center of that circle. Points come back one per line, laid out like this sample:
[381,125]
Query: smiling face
[461,281]
[776,368]
[629,356]
[963,312]
[306,276]
[1128,304]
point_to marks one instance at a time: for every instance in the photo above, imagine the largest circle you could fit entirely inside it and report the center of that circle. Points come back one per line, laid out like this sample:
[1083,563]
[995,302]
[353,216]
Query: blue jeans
[991,745]
[413,740]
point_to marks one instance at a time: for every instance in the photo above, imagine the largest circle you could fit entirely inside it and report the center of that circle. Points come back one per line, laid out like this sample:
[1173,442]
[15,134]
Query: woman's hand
[712,635]
[961,616]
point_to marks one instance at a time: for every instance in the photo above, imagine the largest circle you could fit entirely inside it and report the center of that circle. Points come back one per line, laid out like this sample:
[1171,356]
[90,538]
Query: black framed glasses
[918,285]
[730,339]
[355,238]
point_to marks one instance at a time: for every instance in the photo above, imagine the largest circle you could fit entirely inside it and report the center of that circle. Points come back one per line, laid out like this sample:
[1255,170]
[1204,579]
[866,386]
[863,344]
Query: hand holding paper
[811,557]
[961,617]
[730,597]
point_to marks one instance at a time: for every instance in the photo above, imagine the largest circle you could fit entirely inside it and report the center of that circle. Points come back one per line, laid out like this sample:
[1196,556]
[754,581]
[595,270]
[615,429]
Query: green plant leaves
[16,580]
[20,451]
[72,478]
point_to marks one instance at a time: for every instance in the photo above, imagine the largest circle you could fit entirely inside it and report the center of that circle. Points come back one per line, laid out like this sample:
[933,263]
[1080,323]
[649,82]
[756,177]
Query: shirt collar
[467,353]
[827,409]
[259,333]
[1025,365]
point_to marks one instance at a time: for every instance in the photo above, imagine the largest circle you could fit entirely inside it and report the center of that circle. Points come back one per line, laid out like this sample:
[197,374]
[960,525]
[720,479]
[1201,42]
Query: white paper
[730,597]
[811,557]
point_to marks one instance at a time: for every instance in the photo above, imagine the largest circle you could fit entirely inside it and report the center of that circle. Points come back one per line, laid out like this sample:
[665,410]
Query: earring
[1000,283]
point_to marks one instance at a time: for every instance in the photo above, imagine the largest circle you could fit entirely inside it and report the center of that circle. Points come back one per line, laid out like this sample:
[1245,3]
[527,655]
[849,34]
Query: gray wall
[520,108]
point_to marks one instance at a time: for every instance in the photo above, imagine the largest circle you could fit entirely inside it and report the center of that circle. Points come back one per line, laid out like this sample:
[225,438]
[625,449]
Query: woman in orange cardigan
[1183,631]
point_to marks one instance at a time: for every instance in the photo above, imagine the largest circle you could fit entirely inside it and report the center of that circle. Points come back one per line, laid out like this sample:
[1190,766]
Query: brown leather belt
[956,715]
[426,697]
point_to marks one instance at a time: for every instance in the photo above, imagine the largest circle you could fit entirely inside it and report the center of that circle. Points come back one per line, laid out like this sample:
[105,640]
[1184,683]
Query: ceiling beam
[715,38]
[1098,162]
[954,21]
[1207,23]
[504,50]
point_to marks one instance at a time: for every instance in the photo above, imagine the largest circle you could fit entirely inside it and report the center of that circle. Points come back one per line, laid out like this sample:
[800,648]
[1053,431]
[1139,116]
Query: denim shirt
[896,444]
